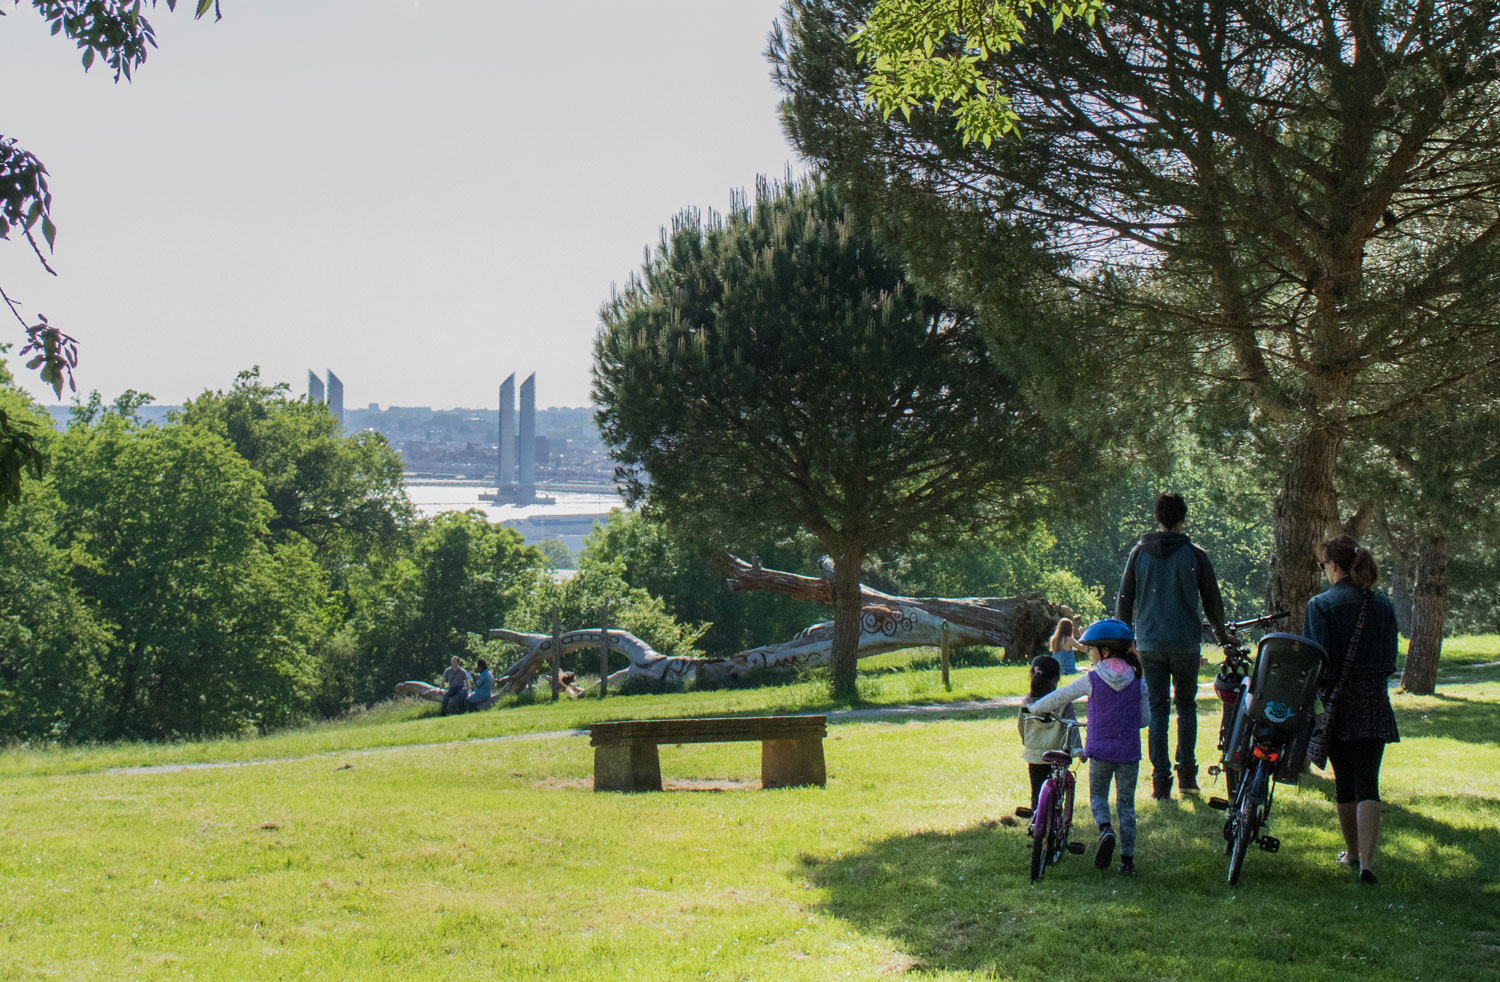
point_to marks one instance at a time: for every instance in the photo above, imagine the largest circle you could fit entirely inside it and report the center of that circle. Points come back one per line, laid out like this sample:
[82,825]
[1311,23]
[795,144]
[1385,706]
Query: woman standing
[1063,645]
[1363,722]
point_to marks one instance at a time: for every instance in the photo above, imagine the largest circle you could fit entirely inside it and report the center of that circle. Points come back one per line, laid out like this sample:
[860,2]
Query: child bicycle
[1052,818]
[1268,716]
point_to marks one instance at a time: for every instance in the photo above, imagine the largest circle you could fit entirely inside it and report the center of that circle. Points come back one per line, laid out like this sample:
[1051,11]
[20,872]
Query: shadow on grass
[1454,718]
[962,901]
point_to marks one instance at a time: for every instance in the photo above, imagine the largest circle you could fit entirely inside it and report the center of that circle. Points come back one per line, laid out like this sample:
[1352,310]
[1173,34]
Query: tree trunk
[1399,570]
[1428,610]
[843,658]
[131,679]
[1306,509]
[1401,597]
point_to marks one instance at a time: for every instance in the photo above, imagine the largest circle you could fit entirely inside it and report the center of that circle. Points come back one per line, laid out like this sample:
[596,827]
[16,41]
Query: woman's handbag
[1322,729]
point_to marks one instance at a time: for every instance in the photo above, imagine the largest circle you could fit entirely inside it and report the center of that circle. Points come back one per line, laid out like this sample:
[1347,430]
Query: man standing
[1166,579]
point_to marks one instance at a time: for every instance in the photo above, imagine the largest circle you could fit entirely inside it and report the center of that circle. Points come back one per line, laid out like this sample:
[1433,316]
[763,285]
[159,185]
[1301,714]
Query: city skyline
[388,198]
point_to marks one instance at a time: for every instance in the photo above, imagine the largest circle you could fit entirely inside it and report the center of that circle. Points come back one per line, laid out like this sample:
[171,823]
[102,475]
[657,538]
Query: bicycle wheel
[1062,823]
[1042,831]
[1246,820]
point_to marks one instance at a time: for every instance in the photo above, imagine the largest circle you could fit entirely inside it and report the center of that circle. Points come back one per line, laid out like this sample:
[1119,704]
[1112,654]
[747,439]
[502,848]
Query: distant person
[1166,579]
[1064,646]
[456,679]
[483,682]
[1118,708]
[1363,722]
[1038,737]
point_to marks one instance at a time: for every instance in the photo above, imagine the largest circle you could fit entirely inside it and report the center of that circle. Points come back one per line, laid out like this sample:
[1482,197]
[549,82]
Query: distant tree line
[247,565]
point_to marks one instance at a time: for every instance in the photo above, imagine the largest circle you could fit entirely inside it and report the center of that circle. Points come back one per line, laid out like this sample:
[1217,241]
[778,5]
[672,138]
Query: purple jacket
[1118,708]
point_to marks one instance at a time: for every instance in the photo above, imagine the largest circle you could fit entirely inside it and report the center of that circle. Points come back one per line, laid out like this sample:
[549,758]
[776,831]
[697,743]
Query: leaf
[88,59]
[49,232]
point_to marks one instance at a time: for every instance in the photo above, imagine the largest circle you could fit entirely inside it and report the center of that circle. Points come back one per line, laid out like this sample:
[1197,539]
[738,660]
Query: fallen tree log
[888,623]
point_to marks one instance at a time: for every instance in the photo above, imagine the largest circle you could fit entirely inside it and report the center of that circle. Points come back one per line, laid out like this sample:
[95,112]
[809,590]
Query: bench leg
[627,767]
[788,763]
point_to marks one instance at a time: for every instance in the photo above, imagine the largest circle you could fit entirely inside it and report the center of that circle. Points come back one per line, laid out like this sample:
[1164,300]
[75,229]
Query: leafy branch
[933,51]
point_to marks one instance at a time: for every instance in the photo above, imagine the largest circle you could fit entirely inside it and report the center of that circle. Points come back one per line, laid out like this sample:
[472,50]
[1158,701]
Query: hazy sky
[423,195]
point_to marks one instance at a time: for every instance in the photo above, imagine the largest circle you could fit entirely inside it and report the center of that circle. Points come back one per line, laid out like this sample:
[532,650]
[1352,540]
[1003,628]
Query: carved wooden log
[888,623]
[645,662]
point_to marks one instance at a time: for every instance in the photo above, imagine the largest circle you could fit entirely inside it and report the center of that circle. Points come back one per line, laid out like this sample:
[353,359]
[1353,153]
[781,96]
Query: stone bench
[791,748]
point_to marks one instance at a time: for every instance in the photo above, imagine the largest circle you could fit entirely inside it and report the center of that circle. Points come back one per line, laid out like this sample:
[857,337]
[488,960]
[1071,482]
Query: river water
[568,518]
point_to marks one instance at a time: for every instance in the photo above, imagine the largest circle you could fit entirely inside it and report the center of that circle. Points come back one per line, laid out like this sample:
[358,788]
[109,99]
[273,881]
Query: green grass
[412,722]
[495,860]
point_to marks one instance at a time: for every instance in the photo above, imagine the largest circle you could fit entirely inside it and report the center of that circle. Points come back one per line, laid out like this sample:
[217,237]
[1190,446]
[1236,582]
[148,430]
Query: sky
[421,195]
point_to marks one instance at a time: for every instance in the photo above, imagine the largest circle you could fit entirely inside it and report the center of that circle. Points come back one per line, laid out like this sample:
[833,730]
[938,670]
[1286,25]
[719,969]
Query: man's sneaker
[1127,865]
[1187,781]
[1161,787]
[1106,847]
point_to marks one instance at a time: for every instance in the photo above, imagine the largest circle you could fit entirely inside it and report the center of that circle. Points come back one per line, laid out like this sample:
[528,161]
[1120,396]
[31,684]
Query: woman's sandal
[1343,859]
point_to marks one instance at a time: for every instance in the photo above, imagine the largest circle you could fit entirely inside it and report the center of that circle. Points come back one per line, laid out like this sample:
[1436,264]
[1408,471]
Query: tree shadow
[962,900]
[1455,718]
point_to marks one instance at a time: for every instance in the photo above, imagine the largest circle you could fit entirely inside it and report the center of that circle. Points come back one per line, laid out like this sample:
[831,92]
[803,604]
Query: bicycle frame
[1266,722]
[1052,814]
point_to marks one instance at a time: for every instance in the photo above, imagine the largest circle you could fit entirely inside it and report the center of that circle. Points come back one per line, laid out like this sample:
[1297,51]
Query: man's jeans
[1182,672]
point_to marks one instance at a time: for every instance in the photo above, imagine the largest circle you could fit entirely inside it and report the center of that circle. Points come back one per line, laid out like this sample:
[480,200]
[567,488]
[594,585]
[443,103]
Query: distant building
[336,397]
[519,447]
[314,387]
[506,479]
[527,490]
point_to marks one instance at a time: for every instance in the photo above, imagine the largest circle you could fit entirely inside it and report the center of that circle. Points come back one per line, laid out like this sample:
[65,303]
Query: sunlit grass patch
[438,857]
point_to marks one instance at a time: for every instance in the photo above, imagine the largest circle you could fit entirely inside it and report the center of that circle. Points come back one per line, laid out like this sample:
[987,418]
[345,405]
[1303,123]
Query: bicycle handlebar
[1257,621]
[1050,718]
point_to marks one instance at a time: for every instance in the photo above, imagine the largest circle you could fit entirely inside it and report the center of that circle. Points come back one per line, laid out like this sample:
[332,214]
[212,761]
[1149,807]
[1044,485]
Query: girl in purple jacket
[1118,709]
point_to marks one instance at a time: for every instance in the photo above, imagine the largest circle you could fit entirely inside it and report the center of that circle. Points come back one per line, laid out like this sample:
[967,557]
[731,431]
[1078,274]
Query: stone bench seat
[625,751]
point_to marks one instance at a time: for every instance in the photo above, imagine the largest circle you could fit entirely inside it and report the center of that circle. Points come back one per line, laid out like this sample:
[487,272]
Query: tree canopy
[116,32]
[1292,207]
[931,52]
[772,370]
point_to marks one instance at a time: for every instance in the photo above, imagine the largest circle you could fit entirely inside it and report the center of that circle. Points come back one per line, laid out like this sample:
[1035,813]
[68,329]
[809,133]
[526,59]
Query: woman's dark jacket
[1363,709]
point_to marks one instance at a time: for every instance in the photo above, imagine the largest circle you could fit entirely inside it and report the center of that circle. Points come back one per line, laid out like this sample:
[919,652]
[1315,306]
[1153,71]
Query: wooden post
[947,683]
[556,653]
[604,650]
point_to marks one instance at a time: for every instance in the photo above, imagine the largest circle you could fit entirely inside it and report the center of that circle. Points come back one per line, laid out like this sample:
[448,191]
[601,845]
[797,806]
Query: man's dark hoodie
[1165,578]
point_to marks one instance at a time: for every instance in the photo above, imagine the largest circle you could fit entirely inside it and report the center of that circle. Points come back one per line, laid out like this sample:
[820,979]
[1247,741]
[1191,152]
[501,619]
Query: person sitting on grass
[483,682]
[1038,737]
[1118,709]
[456,681]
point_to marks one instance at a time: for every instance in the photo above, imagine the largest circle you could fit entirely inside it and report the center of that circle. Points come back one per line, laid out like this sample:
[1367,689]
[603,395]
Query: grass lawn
[495,860]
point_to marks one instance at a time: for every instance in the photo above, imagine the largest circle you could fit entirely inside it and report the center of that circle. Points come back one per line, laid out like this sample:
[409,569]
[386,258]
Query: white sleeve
[1054,701]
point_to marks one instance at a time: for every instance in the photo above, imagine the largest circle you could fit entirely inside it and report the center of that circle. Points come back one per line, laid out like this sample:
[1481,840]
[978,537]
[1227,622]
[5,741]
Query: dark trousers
[453,700]
[1356,769]
[1181,672]
[1039,774]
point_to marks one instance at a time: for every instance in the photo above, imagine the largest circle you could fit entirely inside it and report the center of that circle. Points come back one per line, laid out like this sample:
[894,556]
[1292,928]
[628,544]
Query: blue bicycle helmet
[1110,634]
